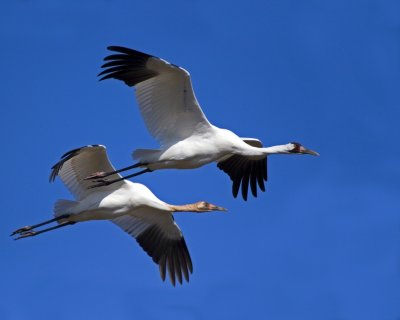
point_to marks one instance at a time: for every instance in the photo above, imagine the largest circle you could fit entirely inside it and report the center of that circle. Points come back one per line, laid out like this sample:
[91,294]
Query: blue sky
[321,243]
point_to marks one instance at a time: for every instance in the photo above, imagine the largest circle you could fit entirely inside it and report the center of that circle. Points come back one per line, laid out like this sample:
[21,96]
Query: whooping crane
[131,206]
[174,118]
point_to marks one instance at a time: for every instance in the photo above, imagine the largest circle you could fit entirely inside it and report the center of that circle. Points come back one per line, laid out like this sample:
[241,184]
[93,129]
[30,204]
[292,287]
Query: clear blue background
[321,243]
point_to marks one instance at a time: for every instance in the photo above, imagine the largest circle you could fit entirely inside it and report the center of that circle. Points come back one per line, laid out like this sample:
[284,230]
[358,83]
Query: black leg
[97,175]
[103,183]
[27,228]
[32,233]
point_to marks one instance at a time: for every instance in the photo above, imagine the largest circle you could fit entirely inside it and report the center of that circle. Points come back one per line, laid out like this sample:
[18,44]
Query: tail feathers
[146,155]
[63,207]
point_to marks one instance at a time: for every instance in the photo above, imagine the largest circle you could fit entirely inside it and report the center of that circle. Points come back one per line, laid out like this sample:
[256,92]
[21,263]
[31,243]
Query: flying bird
[174,118]
[131,206]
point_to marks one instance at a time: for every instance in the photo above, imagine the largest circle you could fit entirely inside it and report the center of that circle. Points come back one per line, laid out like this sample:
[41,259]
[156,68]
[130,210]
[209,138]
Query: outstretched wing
[163,241]
[244,171]
[164,93]
[77,164]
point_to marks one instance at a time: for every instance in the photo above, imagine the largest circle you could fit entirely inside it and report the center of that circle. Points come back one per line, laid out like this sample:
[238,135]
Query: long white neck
[280,149]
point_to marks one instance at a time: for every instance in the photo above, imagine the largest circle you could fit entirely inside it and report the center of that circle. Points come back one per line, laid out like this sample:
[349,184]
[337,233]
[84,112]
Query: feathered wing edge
[77,164]
[127,65]
[171,254]
[64,158]
[243,171]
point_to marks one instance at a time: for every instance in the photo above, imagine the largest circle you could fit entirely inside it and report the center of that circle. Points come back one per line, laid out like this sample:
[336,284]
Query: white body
[214,145]
[129,199]
[131,206]
[173,116]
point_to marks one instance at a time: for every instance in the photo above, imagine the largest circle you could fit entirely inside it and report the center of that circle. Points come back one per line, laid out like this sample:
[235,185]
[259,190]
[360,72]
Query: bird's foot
[100,183]
[96,175]
[26,235]
[21,230]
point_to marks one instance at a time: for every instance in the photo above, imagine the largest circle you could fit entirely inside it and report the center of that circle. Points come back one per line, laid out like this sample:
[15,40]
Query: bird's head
[297,148]
[203,206]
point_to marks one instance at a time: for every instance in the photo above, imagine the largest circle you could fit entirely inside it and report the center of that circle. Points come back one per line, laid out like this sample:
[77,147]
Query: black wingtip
[55,169]
[127,51]
[171,255]
[244,172]
[127,65]
[120,49]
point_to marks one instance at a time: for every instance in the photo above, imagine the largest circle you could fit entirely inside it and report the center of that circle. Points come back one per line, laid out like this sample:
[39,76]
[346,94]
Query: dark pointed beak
[308,151]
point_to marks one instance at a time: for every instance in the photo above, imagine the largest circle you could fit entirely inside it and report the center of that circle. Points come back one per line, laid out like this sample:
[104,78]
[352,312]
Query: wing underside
[78,164]
[164,93]
[244,172]
[163,242]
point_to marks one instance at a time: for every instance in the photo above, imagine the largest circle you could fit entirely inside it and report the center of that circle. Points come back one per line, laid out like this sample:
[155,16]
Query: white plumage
[168,105]
[174,118]
[131,206]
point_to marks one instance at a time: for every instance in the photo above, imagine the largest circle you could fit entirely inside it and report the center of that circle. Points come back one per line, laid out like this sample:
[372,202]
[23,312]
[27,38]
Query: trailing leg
[101,174]
[103,183]
[28,228]
[32,233]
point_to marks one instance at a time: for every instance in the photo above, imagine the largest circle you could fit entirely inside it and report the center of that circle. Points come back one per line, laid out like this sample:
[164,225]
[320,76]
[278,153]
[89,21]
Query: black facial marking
[296,148]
